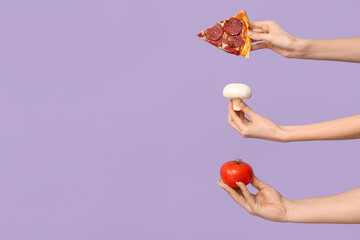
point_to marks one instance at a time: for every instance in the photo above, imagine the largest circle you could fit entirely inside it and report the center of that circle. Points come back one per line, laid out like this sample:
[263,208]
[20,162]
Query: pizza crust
[245,51]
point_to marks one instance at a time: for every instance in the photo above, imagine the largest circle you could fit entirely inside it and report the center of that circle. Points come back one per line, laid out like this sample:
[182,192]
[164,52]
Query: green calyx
[237,162]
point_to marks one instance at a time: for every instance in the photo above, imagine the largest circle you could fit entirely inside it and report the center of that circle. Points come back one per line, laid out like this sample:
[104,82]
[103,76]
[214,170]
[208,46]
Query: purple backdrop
[113,124]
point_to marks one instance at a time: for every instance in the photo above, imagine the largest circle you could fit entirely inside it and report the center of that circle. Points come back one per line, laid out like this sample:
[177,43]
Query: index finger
[234,116]
[264,25]
[258,184]
[233,193]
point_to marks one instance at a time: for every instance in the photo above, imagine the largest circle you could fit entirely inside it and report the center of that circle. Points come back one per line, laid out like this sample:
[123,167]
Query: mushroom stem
[236,104]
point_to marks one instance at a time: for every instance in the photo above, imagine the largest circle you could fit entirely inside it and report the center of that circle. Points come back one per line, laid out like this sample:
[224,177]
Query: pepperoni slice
[217,43]
[233,26]
[235,41]
[232,50]
[215,32]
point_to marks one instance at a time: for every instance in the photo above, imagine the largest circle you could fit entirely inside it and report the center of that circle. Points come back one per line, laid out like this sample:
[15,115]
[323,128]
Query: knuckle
[288,55]
[245,133]
[245,107]
[254,35]
[250,210]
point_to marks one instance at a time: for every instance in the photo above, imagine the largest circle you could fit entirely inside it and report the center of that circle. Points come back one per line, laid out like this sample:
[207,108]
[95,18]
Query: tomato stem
[237,162]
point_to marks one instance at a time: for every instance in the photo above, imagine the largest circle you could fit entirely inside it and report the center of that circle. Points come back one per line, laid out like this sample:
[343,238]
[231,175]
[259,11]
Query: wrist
[299,48]
[284,134]
[290,206]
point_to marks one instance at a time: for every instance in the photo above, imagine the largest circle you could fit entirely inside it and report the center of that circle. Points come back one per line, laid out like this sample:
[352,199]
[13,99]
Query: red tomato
[236,171]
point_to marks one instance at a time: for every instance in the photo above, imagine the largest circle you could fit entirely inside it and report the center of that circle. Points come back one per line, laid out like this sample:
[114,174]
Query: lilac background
[113,124]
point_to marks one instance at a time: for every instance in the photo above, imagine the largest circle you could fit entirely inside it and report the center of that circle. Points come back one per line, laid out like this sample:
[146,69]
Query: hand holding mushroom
[258,126]
[237,92]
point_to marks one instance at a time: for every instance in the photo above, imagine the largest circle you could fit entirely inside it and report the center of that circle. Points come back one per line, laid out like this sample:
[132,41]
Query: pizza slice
[230,35]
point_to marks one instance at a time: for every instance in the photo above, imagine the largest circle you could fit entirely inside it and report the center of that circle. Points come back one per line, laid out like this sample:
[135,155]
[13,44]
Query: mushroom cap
[237,90]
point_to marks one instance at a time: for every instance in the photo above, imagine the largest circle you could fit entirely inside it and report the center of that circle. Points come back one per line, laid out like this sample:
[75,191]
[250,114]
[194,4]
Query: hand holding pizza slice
[230,35]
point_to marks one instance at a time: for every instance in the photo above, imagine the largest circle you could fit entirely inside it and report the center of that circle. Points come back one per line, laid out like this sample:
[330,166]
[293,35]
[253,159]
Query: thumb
[259,36]
[247,110]
[258,184]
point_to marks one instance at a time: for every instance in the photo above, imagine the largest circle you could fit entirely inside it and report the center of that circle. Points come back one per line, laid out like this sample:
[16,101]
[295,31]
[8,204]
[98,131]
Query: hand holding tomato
[267,203]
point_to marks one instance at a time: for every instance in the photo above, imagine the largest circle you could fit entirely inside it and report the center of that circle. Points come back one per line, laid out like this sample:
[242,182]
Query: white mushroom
[237,91]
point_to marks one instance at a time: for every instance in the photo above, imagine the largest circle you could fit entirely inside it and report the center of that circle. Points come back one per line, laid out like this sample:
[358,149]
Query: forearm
[340,208]
[346,50]
[339,129]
